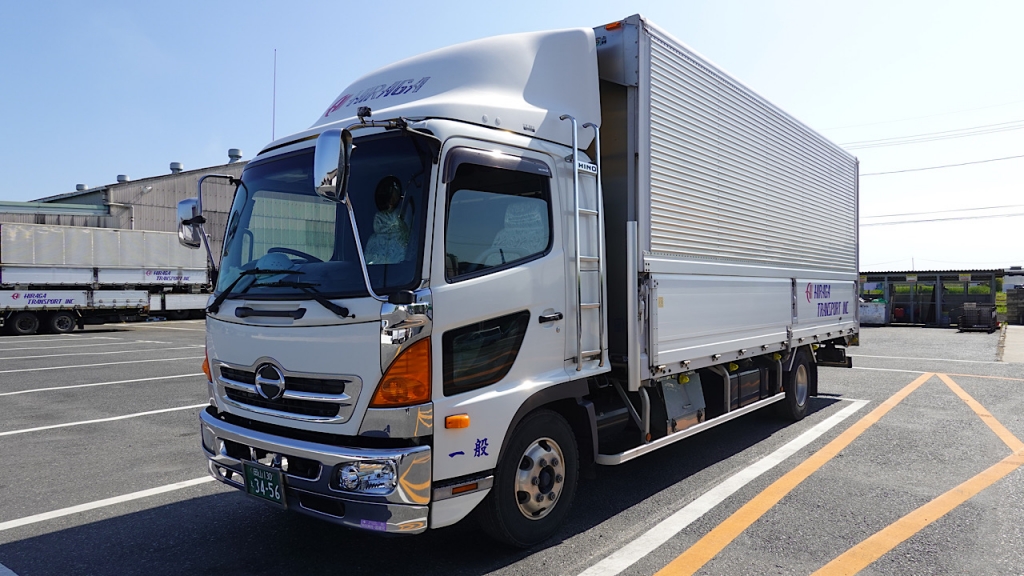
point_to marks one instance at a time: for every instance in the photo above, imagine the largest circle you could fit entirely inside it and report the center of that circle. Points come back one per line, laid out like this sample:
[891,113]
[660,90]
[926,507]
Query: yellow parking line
[874,547]
[1001,431]
[713,542]
[862,555]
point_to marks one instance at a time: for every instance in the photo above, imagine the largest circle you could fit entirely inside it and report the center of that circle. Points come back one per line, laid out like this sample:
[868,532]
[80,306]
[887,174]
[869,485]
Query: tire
[61,323]
[23,324]
[798,384]
[530,469]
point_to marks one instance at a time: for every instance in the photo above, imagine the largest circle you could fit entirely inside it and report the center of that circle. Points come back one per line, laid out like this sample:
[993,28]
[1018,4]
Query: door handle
[550,317]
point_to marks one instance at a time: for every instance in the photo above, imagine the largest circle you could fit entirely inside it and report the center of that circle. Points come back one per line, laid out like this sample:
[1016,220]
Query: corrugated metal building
[145,204]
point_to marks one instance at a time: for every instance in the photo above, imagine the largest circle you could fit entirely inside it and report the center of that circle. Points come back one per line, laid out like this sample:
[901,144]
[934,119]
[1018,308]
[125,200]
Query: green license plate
[264,482]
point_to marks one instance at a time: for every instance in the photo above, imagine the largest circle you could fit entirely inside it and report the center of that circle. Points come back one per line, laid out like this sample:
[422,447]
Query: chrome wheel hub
[800,385]
[539,478]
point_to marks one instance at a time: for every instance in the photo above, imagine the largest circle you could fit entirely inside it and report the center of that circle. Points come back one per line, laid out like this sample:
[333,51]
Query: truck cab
[364,384]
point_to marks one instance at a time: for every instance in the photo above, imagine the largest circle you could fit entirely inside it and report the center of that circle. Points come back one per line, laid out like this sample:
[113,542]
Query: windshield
[277,222]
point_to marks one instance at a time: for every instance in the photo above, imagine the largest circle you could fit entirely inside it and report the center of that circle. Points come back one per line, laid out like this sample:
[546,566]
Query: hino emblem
[269,382]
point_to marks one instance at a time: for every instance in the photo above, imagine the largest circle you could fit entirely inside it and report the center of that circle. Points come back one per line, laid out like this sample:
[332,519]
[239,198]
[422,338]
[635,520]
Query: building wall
[157,208]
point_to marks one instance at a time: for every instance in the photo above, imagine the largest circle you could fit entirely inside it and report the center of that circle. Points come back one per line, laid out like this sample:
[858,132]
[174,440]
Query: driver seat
[525,233]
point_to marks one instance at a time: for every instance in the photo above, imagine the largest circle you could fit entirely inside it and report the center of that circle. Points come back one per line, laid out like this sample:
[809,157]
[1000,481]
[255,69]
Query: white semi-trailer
[489,266]
[54,278]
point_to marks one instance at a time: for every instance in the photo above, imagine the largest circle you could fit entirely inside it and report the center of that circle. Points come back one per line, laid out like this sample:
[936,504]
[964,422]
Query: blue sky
[92,90]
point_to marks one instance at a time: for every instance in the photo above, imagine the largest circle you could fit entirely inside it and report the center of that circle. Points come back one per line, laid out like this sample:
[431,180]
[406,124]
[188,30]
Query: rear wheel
[61,323]
[535,482]
[798,384]
[24,323]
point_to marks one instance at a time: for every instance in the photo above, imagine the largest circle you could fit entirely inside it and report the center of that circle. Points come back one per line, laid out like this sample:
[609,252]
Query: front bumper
[311,472]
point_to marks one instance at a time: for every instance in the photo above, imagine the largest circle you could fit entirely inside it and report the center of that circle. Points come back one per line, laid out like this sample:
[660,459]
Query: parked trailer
[58,277]
[457,288]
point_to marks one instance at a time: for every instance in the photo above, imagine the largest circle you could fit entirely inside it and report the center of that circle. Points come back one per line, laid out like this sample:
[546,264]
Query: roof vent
[122,178]
[234,154]
[81,187]
[176,167]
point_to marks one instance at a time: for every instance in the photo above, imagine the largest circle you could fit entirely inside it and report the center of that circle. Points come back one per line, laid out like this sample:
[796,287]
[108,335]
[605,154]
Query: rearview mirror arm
[200,220]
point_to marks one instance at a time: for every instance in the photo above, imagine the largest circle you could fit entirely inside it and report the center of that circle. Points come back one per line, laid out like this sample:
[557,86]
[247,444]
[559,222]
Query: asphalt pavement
[905,465]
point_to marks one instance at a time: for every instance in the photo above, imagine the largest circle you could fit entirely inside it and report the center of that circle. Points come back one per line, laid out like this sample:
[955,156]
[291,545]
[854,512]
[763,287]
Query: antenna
[273,113]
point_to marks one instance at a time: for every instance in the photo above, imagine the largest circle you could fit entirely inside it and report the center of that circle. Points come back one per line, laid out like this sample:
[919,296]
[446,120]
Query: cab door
[499,297]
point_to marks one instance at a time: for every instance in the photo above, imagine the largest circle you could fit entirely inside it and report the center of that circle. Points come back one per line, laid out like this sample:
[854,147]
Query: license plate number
[264,482]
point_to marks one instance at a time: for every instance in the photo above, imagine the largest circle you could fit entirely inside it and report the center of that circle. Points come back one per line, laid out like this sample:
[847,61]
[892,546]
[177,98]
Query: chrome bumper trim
[406,508]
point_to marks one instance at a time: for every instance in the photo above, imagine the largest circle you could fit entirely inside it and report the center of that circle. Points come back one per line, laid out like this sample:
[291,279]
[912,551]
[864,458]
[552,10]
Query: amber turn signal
[206,368]
[457,421]
[407,380]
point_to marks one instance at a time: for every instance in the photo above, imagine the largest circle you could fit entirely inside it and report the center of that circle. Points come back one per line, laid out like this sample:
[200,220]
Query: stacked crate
[1015,306]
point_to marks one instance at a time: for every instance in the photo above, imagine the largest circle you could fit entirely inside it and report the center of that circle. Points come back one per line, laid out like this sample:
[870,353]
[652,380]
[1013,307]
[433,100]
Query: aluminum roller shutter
[734,179]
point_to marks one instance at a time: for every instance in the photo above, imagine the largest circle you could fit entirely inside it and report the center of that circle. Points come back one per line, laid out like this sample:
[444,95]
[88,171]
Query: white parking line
[888,370]
[173,328]
[100,504]
[99,420]
[99,384]
[85,345]
[103,364]
[666,529]
[928,359]
[189,347]
[55,338]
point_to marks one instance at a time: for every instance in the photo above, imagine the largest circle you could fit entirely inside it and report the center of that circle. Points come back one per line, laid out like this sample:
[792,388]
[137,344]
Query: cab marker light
[457,421]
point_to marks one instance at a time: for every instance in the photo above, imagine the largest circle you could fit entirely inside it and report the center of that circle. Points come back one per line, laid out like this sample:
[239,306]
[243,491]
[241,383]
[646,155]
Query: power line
[935,136]
[943,211]
[922,117]
[943,166]
[942,219]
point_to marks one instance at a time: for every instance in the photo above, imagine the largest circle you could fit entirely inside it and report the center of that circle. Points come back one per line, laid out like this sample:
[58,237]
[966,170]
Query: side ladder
[591,265]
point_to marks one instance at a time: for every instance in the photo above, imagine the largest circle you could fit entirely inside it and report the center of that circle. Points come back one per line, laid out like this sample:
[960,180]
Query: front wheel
[535,482]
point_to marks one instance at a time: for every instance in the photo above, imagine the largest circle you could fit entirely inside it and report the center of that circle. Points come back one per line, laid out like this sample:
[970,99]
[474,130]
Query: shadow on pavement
[229,533]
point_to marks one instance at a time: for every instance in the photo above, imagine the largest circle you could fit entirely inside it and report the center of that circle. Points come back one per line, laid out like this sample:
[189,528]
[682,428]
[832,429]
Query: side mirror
[189,231]
[331,164]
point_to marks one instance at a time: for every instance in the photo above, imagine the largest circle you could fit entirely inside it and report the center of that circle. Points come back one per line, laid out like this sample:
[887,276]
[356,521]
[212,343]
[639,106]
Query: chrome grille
[311,397]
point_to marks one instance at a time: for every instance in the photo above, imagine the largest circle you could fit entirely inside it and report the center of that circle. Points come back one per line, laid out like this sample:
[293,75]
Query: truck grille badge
[269,382]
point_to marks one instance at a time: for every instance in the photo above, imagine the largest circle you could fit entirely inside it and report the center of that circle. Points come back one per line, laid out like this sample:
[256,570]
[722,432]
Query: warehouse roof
[76,193]
[997,272]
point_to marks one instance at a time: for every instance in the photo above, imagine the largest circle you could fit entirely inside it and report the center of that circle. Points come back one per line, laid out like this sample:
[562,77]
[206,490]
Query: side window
[481,354]
[496,218]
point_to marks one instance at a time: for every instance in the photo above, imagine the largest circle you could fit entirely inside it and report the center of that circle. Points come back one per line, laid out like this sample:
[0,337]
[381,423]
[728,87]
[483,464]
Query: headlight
[373,477]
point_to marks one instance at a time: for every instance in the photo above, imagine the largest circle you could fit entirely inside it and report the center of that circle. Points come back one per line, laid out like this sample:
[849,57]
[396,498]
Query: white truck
[491,265]
[55,278]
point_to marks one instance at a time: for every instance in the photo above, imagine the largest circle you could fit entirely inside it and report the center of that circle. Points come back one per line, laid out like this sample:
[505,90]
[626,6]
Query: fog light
[374,477]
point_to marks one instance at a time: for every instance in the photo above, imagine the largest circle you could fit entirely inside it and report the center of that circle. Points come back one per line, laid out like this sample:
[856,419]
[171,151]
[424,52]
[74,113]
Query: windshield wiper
[310,290]
[215,305]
